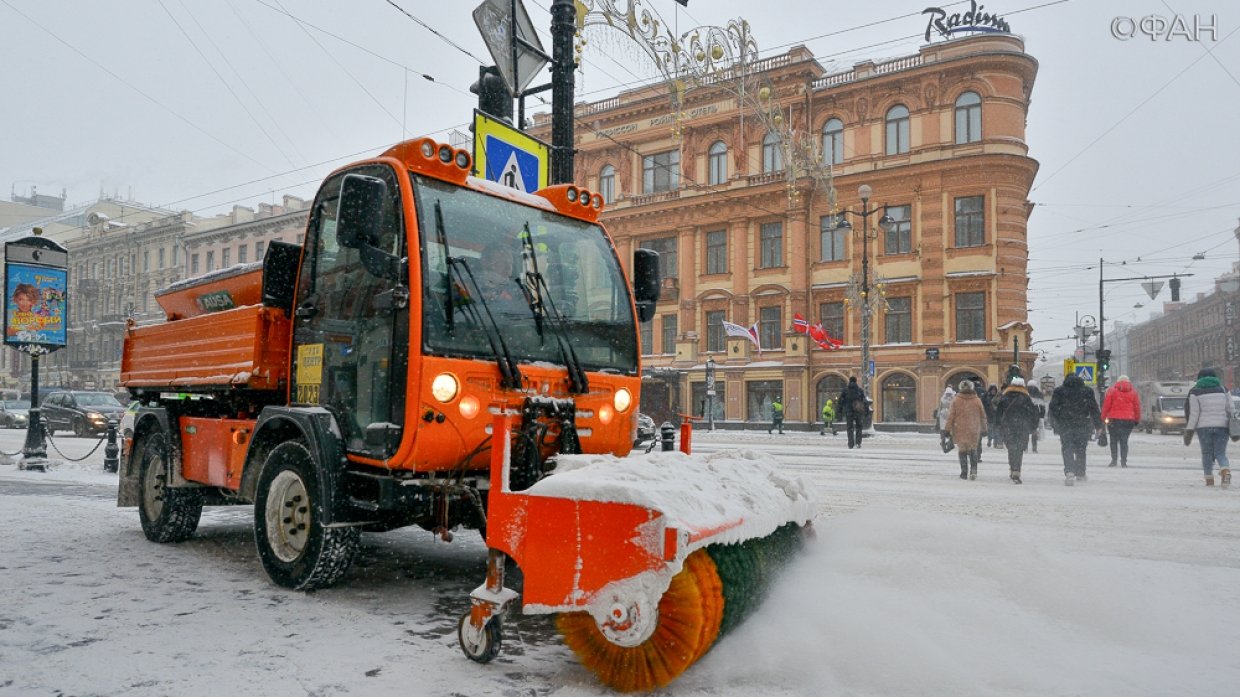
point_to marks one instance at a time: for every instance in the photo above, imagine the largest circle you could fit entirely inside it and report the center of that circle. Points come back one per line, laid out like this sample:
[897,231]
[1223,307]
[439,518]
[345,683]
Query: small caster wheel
[480,646]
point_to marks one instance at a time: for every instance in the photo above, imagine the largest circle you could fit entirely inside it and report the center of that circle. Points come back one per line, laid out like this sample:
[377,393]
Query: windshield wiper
[539,297]
[458,273]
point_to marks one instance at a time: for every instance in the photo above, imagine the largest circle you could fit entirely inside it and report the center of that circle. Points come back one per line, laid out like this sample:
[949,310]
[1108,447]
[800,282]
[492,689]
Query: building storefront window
[828,387]
[759,394]
[698,395]
[646,330]
[669,334]
[832,317]
[666,247]
[899,398]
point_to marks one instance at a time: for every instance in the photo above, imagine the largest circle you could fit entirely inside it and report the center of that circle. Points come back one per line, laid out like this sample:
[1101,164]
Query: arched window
[772,153]
[968,118]
[829,387]
[607,183]
[897,130]
[833,142]
[899,398]
[718,162]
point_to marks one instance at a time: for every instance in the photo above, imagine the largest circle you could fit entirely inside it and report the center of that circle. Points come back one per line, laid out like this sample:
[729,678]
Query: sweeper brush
[647,560]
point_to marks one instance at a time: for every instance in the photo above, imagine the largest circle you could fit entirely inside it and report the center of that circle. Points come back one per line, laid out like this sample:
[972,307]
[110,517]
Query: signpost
[506,155]
[36,281]
[520,57]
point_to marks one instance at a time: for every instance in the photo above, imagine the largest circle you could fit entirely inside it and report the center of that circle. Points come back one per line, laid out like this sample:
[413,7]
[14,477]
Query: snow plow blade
[647,559]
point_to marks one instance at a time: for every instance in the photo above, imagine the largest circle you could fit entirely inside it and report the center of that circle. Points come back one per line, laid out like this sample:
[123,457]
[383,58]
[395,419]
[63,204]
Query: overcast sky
[198,105]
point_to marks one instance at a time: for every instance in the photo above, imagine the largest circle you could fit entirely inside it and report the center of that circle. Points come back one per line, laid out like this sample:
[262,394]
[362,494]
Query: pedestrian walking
[1121,410]
[1017,418]
[940,415]
[966,421]
[989,399]
[828,417]
[852,405]
[1039,401]
[1208,414]
[777,416]
[1077,418]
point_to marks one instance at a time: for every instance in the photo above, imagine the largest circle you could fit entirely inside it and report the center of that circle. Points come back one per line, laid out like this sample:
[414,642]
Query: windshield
[1171,403]
[99,399]
[583,278]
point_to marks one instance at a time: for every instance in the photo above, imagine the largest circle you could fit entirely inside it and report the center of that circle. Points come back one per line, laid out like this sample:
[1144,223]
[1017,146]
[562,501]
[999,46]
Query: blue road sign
[1085,371]
[510,165]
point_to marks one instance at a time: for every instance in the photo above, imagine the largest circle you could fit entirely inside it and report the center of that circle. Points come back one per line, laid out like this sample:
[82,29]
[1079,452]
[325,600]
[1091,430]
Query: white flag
[738,330]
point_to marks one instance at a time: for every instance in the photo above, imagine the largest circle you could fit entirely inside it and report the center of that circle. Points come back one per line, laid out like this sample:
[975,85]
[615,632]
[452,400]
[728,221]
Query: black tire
[489,643]
[167,514]
[297,551]
[79,428]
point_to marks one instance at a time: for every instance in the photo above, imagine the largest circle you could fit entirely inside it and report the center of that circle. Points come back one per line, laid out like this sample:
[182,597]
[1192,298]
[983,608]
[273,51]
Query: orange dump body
[243,347]
[235,286]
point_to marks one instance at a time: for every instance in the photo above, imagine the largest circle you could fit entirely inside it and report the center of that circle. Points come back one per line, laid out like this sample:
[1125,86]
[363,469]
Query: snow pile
[741,490]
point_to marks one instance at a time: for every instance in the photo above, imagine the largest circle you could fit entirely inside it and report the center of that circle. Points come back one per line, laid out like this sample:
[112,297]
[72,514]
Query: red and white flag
[750,333]
[824,340]
[799,325]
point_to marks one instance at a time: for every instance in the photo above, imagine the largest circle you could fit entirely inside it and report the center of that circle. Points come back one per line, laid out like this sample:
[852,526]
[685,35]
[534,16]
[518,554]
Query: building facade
[748,238]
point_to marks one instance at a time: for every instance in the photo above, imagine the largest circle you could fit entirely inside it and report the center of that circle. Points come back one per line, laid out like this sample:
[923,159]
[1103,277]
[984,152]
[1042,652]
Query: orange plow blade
[649,558]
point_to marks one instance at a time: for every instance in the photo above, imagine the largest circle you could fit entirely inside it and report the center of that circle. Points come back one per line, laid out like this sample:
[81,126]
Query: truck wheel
[297,551]
[167,514]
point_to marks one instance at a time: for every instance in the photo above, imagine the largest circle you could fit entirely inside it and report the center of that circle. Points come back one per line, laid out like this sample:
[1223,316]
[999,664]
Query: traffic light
[1175,289]
[1104,360]
[492,91]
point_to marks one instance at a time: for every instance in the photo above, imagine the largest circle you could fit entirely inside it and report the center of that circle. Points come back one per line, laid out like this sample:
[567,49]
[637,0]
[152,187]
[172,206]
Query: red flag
[824,340]
[799,325]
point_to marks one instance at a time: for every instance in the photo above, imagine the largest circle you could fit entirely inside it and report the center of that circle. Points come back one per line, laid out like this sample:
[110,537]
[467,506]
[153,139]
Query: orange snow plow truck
[446,352]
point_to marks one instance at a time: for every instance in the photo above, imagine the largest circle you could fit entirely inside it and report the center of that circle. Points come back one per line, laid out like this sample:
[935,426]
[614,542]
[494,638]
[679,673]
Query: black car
[84,413]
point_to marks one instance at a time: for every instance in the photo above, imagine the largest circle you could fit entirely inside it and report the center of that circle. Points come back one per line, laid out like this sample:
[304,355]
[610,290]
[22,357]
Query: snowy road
[919,584]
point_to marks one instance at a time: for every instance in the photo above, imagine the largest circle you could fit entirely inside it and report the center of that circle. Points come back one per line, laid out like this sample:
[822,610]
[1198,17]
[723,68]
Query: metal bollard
[686,437]
[667,437]
[111,451]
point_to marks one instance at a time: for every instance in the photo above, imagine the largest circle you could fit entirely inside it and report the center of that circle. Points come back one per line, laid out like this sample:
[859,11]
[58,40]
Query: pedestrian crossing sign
[1087,372]
[506,155]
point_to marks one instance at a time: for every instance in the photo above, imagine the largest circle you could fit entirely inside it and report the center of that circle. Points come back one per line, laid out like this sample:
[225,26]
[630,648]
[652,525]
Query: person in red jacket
[1121,410]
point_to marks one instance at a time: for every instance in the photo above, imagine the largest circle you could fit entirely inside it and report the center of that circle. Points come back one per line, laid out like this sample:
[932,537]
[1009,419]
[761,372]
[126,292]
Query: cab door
[351,315]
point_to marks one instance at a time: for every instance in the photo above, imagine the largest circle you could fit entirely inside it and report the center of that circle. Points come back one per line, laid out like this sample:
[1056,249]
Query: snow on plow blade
[650,558]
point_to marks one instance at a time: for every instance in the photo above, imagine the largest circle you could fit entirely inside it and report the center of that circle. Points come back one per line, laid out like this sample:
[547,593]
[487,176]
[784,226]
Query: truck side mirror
[360,215]
[646,286]
[359,224]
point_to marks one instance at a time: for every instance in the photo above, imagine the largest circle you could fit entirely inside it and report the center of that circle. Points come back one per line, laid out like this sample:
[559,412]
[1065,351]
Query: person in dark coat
[990,398]
[1018,417]
[853,406]
[1077,418]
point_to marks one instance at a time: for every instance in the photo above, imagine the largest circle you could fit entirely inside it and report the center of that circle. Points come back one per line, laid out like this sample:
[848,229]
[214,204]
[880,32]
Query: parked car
[14,413]
[83,413]
[645,429]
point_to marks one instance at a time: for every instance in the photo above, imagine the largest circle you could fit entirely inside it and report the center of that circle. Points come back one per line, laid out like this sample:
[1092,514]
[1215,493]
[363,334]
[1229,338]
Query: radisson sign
[973,20]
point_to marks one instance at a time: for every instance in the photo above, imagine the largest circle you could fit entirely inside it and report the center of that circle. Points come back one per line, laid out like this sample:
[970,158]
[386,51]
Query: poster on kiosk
[35,283]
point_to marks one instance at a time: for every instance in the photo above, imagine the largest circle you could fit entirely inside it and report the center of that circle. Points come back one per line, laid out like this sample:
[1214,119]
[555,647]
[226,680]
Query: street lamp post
[843,225]
[710,393]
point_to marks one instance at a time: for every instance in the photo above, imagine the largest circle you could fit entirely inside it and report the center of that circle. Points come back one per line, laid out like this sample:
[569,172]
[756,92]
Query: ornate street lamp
[886,224]
[710,392]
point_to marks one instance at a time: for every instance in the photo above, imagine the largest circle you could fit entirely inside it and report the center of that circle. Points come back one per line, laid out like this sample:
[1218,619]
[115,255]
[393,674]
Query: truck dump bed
[218,334]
